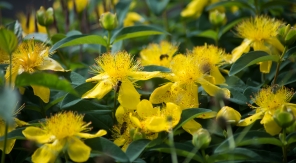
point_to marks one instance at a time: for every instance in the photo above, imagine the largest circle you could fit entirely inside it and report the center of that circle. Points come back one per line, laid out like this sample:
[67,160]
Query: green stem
[284,148]
[278,66]
[48,32]
[5,142]
[173,150]
[191,155]
[204,155]
[108,41]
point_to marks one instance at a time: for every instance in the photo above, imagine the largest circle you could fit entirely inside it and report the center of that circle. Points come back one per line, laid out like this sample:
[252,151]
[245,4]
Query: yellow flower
[132,18]
[229,114]
[80,5]
[61,133]
[118,71]
[156,119]
[31,56]
[10,142]
[29,24]
[158,54]
[126,131]
[268,101]
[196,7]
[259,33]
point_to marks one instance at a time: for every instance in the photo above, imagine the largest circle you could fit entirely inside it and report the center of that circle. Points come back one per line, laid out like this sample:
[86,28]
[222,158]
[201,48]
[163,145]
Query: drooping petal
[219,78]
[99,77]
[157,124]
[174,111]
[191,126]
[276,43]
[48,152]
[265,66]
[270,125]
[20,123]
[9,145]
[135,120]
[128,96]
[37,134]
[142,75]
[120,114]
[212,89]
[50,64]
[207,115]
[99,90]
[145,109]
[42,92]
[251,119]
[161,94]
[77,150]
[89,136]
[238,51]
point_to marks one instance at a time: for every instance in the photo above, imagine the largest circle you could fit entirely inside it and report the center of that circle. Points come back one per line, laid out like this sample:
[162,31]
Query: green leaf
[291,138]
[134,150]
[251,138]
[14,134]
[44,79]
[189,114]
[229,26]
[122,7]
[157,6]
[276,4]
[235,155]
[136,31]
[291,51]
[238,3]
[37,36]
[249,59]
[57,37]
[152,68]
[78,40]
[17,28]
[52,103]
[8,41]
[287,77]
[208,34]
[106,147]
[182,149]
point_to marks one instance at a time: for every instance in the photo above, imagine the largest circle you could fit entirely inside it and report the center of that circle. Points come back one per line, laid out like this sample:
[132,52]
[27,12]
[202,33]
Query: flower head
[269,100]
[158,54]
[117,71]
[31,56]
[61,133]
[259,33]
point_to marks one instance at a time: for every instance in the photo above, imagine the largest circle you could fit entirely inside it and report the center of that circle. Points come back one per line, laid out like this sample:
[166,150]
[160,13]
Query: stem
[204,155]
[278,66]
[284,148]
[48,32]
[108,41]
[190,156]
[5,142]
[173,150]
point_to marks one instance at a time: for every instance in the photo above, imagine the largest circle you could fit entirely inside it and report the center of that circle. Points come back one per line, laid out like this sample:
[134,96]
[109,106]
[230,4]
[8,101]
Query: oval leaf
[77,40]
[44,79]
[249,59]
[136,31]
[189,114]
[134,150]
[105,146]
[8,41]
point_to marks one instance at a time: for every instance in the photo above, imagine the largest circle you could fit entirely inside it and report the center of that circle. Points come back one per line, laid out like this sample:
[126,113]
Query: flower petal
[219,78]
[157,124]
[37,134]
[238,51]
[212,89]
[42,92]
[20,123]
[207,115]
[48,152]
[173,111]
[142,75]
[50,64]
[99,77]
[99,90]
[89,136]
[77,150]
[161,94]
[135,120]
[128,96]
[251,119]
[145,109]
[119,141]
[265,66]
[120,114]
[276,43]
[9,145]
[270,125]
[191,126]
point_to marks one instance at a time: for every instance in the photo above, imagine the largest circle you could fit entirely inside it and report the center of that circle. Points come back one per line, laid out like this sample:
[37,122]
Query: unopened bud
[135,134]
[217,18]
[201,138]
[284,118]
[45,17]
[290,37]
[108,21]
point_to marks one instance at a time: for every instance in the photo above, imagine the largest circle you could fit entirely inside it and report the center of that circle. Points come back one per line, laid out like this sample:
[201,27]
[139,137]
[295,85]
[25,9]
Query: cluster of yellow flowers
[198,69]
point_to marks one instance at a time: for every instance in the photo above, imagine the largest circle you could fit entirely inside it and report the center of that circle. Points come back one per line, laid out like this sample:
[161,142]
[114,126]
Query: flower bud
[108,21]
[284,118]
[201,138]
[135,134]
[291,128]
[290,37]
[217,18]
[230,115]
[45,17]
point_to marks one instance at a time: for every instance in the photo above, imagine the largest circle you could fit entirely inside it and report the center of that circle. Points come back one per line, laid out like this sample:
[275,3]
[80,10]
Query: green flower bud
[201,138]
[291,128]
[230,115]
[217,18]
[45,18]
[108,21]
[284,118]
[135,134]
[290,37]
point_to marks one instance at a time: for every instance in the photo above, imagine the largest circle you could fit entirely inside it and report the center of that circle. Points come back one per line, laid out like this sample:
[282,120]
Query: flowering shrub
[149,81]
